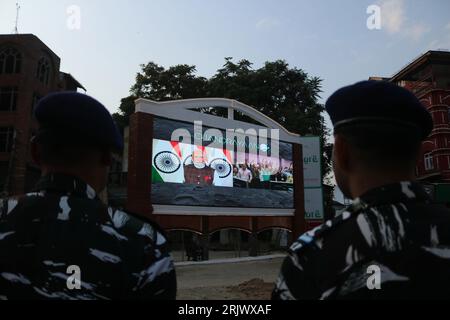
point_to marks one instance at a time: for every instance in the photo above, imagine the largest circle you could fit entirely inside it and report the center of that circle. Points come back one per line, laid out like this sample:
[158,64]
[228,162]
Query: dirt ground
[228,281]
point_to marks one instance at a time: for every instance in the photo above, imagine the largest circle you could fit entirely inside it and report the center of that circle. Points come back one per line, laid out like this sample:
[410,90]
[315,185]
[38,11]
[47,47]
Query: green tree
[156,83]
[287,95]
[122,118]
[178,82]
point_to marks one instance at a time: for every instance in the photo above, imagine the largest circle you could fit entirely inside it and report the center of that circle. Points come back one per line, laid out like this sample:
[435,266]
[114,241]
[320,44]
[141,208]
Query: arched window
[10,61]
[43,71]
[428,160]
[8,98]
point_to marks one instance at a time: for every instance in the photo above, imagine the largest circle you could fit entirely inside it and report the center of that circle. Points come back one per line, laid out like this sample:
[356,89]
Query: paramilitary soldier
[392,242]
[62,242]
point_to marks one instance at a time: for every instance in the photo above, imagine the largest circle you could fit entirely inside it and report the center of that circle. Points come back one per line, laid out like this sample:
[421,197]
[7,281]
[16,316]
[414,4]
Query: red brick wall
[32,49]
[438,143]
[140,164]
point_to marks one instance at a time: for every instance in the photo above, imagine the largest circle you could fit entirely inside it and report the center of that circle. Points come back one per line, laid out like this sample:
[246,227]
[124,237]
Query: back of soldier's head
[382,123]
[382,146]
[73,129]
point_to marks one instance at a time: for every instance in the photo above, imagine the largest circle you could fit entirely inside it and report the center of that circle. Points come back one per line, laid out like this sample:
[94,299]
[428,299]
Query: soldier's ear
[341,153]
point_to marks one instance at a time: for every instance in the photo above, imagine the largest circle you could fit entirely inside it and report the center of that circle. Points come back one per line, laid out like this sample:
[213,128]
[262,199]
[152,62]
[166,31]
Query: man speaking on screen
[198,172]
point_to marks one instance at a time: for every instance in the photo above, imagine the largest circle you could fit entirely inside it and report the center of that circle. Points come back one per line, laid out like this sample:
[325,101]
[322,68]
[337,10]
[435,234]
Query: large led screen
[240,172]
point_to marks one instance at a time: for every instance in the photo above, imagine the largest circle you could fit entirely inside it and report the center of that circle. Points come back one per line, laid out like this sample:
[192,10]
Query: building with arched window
[10,60]
[428,77]
[43,70]
[29,70]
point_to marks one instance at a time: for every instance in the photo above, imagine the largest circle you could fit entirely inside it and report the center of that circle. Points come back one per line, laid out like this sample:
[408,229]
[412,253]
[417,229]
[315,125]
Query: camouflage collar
[65,184]
[405,191]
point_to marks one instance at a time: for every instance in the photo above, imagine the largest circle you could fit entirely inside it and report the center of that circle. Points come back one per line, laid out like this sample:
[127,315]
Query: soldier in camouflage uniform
[61,241]
[392,242]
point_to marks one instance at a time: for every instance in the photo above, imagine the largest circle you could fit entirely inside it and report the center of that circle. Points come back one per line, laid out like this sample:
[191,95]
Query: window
[428,159]
[10,61]
[43,71]
[6,139]
[8,98]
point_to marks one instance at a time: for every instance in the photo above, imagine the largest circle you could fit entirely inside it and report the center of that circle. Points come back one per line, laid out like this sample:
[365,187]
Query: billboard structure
[312,165]
[190,168]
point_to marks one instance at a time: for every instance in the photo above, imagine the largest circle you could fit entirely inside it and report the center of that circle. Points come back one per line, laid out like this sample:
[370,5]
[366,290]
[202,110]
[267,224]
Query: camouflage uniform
[395,228]
[65,224]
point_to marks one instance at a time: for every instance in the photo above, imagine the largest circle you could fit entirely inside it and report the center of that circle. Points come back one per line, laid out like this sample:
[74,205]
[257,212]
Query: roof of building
[379,78]
[72,79]
[28,36]
[31,37]
[432,56]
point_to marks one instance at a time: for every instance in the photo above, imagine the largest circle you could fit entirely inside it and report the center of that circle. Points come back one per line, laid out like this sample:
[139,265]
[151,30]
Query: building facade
[428,77]
[29,70]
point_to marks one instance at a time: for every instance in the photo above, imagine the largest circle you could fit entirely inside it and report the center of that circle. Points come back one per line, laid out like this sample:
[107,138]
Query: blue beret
[76,118]
[378,102]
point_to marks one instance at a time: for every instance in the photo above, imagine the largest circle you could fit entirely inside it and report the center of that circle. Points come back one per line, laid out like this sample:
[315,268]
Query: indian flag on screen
[167,162]
[169,158]
[221,160]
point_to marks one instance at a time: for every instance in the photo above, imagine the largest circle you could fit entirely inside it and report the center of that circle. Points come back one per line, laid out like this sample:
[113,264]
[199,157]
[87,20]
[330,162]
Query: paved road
[216,281]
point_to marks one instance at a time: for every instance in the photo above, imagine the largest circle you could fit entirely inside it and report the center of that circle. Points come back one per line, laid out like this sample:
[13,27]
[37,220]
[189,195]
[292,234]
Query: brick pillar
[204,238]
[140,164]
[298,221]
[253,239]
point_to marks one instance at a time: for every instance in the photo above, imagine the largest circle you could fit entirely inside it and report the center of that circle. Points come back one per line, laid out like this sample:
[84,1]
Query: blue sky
[328,39]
